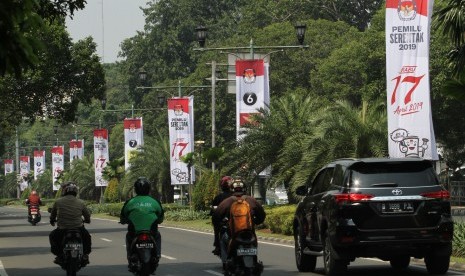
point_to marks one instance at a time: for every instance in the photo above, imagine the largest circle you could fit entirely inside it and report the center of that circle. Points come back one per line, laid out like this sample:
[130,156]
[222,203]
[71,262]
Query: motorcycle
[34,214]
[242,255]
[143,260]
[72,252]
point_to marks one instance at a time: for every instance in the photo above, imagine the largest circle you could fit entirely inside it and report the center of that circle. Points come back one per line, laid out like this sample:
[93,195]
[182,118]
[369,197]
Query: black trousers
[56,238]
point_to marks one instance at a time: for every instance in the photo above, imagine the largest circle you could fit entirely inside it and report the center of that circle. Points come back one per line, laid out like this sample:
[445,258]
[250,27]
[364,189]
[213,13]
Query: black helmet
[69,188]
[142,186]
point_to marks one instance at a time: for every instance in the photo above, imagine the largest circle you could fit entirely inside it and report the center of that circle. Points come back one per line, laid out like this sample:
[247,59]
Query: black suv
[391,209]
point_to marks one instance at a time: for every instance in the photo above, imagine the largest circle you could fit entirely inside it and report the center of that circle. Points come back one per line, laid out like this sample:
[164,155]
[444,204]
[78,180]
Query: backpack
[240,218]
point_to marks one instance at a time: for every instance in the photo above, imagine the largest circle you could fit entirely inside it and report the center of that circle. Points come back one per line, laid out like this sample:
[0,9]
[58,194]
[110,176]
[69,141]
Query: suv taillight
[349,198]
[439,194]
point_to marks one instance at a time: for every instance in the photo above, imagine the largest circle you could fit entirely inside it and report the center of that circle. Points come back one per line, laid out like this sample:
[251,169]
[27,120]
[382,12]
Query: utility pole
[18,190]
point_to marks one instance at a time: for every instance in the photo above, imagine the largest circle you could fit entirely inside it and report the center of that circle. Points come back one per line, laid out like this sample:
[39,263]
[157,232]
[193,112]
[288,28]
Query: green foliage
[186,214]
[112,209]
[458,243]
[111,194]
[205,189]
[280,219]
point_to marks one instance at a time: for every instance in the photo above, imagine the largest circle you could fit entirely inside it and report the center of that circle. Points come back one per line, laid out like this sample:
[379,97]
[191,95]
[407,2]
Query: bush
[458,243]
[279,219]
[112,209]
[111,192]
[186,215]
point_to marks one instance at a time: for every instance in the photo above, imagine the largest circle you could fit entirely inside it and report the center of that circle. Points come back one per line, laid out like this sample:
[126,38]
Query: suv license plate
[396,207]
[246,251]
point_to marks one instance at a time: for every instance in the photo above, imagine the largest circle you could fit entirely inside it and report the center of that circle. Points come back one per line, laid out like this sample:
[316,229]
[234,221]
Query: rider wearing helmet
[223,211]
[68,211]
[142,213]
[225,185]
[33,200]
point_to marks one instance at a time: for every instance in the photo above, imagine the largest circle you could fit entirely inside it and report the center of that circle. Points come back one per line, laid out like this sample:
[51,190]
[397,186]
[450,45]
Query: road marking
[188,230]
[168,257]
[107,240]
[2,270]
[214,272]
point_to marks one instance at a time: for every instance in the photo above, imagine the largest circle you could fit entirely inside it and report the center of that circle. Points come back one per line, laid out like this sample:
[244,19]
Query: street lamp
[300,32]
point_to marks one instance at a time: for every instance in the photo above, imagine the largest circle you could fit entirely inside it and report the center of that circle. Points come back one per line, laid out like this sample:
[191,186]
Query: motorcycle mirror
[49,209]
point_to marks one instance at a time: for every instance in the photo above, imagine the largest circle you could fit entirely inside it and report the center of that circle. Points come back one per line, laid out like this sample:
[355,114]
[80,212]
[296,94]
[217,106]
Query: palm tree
[450,19]
[152,162]
[343,130]
[264,140]
[83,173]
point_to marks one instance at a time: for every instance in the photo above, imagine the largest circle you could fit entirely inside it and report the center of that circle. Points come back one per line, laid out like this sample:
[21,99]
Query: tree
[20,21]
[342,130]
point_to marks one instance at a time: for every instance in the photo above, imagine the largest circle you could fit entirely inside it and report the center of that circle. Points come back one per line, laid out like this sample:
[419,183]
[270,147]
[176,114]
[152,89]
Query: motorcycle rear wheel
[145,269]
[72,267]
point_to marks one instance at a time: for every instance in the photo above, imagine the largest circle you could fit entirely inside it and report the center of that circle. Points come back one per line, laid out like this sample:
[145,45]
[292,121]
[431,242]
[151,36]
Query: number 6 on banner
[408,96]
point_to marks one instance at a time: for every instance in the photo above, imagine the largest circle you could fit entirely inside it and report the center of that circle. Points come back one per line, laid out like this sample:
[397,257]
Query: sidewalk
[458,210]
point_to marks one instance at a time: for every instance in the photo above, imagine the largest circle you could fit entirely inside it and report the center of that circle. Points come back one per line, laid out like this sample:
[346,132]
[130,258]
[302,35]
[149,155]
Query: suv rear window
[400,174]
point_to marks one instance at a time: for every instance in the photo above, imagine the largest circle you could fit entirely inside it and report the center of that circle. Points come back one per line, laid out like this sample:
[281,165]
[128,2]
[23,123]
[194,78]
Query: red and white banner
[58,164]
[133,138]
[252,90]
[410,124]
[101,156]
[39,163]
[181,130]
[76,150]
[24,170]
[9,167]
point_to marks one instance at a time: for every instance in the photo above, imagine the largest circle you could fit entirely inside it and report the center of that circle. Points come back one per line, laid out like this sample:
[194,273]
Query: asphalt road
[24,250]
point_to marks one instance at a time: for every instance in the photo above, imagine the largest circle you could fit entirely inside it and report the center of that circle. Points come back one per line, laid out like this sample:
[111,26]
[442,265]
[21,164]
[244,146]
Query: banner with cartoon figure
[9,167]
[39,163]
[252,91]
[181,131]
[24,170]
[101,156]
[133,138]
[58,164]
[410,124]
[76,150]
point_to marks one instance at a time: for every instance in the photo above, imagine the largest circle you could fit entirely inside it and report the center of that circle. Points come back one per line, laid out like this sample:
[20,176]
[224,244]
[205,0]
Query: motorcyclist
[68,211]
[142,213]
[225,185]
[33,200]
[223,211]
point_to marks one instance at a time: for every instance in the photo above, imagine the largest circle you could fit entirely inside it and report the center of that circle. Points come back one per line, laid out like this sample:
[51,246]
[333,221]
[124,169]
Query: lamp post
[201,33]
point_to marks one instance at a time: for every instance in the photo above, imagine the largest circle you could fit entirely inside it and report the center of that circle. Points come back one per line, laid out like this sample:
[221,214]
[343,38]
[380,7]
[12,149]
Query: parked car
[391,209]
[276,196]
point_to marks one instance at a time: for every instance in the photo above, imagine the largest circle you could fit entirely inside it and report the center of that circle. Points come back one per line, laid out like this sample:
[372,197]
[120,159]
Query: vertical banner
[58,164]
[9,167]
[133,138]
[181,131]
[410,124]
[39,163]
[101,156]
[76,150]
[252,90]
[24,170]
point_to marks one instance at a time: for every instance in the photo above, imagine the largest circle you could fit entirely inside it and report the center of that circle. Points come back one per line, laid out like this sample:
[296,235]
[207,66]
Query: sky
[109,22]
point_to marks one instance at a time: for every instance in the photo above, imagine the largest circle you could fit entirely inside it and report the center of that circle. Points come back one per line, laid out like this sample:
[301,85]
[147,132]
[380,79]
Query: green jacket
[142,211]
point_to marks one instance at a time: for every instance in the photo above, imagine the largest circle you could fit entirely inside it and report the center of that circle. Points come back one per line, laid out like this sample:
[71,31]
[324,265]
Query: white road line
[168,257]
[187,230]
[214,272]
[2,270]
[107,240]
